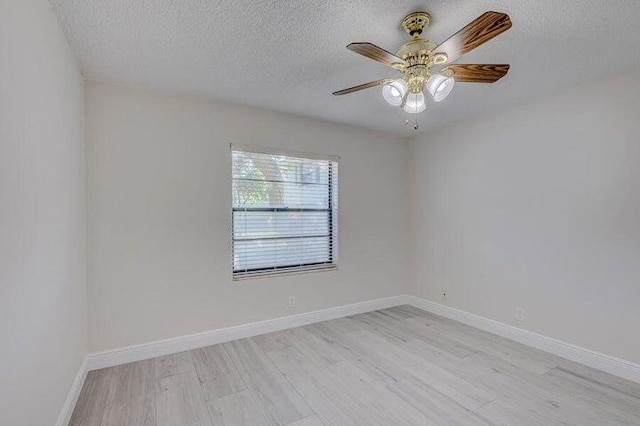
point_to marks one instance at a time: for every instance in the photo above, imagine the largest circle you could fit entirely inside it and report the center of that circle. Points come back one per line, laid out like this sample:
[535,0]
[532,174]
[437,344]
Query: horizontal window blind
[284,212]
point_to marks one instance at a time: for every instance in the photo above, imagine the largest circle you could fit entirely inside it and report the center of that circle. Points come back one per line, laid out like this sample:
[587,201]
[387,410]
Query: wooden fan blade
[476,73]
[376,53]
[479,31]
[363,86]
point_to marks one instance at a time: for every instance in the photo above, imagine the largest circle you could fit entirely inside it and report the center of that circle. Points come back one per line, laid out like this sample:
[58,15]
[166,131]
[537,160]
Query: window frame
[332,211]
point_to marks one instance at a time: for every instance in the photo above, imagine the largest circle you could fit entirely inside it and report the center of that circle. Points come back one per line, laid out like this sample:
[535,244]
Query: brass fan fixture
[416,58]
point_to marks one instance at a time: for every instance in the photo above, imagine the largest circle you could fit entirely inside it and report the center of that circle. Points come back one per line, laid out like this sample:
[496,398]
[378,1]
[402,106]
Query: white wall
[537,207]
[159,170]
[42,215]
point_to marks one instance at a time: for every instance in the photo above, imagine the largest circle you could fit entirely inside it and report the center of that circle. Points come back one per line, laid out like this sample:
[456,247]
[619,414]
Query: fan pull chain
[415,125]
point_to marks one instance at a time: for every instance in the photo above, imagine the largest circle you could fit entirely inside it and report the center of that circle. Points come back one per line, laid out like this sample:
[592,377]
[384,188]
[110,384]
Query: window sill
[283,272]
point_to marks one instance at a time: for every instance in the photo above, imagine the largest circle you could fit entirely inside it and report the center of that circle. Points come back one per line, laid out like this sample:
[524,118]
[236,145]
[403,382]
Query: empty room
[319,213]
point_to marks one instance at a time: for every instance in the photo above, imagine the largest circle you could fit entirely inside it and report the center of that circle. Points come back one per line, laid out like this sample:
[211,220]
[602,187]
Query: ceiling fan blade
[476,73]
[363,86]
[376,53]
[479,31]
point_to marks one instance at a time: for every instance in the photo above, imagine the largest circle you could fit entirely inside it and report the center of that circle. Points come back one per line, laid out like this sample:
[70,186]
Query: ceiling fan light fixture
[394,92]
[415,103]
[417,58]
[440,86]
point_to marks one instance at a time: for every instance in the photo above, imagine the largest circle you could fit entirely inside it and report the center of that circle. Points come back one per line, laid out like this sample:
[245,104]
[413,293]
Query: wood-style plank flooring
[398,366]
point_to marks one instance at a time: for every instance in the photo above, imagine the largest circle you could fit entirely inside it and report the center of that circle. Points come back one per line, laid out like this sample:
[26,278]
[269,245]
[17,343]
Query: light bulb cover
[440,86]
[415,103]
[394,92]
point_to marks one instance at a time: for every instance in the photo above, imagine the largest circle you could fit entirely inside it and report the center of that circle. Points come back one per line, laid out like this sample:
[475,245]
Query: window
[285,212]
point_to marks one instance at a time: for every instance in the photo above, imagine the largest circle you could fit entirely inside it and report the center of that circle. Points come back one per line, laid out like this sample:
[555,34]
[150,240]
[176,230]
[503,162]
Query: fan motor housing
[416,54]
[416,51]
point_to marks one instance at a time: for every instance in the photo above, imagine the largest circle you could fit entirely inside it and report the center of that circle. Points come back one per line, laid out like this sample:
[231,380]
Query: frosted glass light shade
[415,103]
[394,92]
[440,86]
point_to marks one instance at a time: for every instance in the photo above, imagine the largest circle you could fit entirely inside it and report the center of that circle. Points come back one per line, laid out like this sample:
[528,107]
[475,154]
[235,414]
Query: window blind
[284,212]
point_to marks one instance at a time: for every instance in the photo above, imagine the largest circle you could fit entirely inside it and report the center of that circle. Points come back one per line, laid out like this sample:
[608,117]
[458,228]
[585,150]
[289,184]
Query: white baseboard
[619,367]
[178,344]
[609,364]
[72,397]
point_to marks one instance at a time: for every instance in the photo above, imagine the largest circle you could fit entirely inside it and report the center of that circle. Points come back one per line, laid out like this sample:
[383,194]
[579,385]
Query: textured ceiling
[289,55]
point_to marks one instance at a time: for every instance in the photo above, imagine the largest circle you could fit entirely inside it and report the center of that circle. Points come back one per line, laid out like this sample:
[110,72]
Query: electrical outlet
[292,301]
[520,314]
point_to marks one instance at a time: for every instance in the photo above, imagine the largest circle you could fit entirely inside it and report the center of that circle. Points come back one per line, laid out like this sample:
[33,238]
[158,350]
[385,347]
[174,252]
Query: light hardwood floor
[398,366]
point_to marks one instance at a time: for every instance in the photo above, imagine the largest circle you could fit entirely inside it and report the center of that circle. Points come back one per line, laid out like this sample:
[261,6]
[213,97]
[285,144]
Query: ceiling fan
[416,58]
